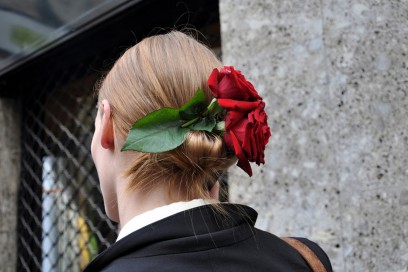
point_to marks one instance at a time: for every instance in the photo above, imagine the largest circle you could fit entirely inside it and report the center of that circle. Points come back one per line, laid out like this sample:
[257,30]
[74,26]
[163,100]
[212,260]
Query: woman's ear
[107,135]
[215,191]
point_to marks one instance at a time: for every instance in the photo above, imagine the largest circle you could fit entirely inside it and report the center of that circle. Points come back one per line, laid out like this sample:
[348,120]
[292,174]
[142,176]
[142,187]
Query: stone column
[10,147]
[334,77]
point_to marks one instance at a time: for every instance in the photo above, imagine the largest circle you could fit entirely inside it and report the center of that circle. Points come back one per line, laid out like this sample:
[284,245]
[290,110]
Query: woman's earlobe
[107,134]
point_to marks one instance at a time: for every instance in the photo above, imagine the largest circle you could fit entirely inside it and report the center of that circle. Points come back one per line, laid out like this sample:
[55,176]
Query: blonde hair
[166,71]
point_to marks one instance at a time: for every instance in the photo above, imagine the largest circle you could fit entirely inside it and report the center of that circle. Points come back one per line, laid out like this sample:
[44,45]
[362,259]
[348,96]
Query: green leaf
[220,128]
[159,131]
[194,107]
[214,108]
[207,124]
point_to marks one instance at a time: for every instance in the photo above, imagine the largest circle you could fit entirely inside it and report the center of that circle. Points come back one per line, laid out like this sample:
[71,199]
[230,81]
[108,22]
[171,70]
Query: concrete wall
[9,180]
[334,75]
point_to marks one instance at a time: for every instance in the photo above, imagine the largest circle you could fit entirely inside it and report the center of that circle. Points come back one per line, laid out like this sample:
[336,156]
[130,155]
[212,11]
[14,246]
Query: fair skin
[121,204]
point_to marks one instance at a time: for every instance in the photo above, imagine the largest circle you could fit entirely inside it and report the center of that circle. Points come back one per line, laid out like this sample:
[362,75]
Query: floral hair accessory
[236,113]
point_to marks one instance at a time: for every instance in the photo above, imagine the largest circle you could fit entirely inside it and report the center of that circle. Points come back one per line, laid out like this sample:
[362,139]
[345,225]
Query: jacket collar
[201,228]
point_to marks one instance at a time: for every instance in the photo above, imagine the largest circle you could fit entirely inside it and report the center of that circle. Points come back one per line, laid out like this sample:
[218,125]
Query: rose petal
[251,93]
[228,141]
[230,88]
[241,131]
[213,82]
[242,160]
[247,137]
[267,133]
[229,83]
[235,105]
[260,147]
[245,84]
[232,118]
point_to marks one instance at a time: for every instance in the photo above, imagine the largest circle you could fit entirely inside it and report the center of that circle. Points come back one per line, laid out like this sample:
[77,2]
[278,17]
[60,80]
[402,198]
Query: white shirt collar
[149,217]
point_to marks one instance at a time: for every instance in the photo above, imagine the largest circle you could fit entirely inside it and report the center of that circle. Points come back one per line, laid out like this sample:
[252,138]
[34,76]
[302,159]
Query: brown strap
[310,257]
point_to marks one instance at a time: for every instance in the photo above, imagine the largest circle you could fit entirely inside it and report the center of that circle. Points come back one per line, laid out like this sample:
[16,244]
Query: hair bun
[197,163]
[201,152]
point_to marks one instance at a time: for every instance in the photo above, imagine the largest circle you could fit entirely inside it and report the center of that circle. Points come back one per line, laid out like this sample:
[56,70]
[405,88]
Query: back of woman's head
[166,71]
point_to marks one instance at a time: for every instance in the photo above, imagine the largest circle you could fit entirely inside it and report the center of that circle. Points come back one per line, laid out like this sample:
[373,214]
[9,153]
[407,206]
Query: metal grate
[62,223]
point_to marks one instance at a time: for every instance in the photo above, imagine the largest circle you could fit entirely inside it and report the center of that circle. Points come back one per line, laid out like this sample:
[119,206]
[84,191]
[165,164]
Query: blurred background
[332,72]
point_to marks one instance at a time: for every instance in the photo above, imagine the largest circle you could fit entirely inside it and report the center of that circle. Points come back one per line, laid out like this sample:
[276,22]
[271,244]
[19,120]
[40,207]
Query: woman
[189,122]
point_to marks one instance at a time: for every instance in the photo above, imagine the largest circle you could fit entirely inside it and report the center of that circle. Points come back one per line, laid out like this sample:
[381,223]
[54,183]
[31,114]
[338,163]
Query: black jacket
[202,239]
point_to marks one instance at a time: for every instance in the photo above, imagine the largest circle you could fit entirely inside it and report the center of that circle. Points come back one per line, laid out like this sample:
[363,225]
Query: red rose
[231,84]
[246,125]
[246,131]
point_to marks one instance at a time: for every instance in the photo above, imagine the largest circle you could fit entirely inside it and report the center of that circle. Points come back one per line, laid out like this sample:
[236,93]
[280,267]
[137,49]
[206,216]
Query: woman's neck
[135,202]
